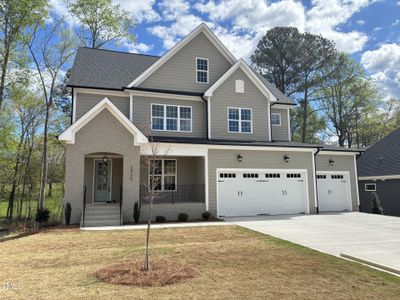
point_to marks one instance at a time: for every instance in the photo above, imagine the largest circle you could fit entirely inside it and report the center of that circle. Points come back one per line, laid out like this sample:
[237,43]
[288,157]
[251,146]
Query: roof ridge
[119,51]
[384,138]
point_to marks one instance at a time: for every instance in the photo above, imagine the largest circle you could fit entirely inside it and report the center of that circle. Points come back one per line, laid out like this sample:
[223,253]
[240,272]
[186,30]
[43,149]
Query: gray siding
[179,72]
[280,133]
[341,163]
[142,115]
[259,160]
[225,96]
[84,102]
[388,192]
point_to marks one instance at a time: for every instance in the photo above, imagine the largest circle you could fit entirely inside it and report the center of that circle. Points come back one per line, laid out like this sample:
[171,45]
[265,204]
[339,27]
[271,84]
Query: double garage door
[274,192]
[254,192]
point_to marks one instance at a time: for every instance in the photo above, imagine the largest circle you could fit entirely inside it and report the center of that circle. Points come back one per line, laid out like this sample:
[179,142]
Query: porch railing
[84,206]
[189,193]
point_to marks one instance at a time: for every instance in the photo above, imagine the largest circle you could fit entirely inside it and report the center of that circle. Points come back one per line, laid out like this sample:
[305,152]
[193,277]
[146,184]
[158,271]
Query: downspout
[316,180]
[207,99]
[356,169]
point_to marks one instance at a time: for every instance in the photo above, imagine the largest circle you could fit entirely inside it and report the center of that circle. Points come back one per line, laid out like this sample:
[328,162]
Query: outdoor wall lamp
[331,162]
[286,158]
[105,158]
[239,157]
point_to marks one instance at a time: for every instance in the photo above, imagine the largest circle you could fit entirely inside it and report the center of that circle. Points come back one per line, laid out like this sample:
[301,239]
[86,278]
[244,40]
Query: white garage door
[253,192]
[333,191]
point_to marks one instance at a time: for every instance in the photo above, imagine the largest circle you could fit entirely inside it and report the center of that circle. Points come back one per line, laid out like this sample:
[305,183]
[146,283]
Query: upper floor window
[201,70]
[275,119]
[171,117]
[239,120]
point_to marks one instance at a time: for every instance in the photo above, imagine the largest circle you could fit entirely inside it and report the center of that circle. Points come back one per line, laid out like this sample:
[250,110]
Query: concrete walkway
[373,238]
[154,226]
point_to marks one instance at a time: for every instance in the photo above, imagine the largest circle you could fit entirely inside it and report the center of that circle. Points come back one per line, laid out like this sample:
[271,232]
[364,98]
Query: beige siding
[280,133]
[341,163]
[259,160]
[179,72]
[225,96]
[142,115]
[84,102]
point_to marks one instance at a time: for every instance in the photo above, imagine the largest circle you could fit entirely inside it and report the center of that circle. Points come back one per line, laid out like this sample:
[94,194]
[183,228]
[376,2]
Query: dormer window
[201,70]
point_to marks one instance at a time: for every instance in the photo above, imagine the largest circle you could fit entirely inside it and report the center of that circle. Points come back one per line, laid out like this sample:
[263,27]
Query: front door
[102,180]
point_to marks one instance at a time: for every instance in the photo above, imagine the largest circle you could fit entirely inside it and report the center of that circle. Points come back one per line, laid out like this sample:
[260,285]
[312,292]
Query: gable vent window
[293,175]
[239,86]
[201,70]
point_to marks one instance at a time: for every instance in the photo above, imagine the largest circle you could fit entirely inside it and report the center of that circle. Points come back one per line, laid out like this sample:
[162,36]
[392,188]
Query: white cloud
[138,47]
[395,23]
[360,22]
[384,66]
[172,9]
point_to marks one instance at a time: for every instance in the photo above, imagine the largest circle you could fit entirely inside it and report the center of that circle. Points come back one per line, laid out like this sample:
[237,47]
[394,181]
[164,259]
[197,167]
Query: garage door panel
[333,191]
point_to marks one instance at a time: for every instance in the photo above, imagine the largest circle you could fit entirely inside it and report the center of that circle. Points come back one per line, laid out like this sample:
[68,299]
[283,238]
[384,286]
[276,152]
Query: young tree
[101,22]
[15,17]
[376,207]
[50,48]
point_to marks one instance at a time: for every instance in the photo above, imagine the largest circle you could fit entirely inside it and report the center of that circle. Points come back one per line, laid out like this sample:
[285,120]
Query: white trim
[365,187]
[269,123]
[356,180]
[289,132]
[68,136]
[201,28]
[131,107]
[163,175]
[250,74]
[206,181]
[240,119]
[166,96]
[283,106]
[74,94]
[178,119]
[280,119]
[94,180]
[207,71]
[315,180]
[303,171]
[375,178]
[349,195]
[323,152]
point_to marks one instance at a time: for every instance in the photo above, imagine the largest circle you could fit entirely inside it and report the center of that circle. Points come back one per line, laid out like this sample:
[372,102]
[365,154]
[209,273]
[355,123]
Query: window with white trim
[162,174]
[240,120]
[370,187]
[171,117]
[201,70]
[275,119]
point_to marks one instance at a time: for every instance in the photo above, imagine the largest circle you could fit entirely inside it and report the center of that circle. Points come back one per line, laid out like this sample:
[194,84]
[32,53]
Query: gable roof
[202,28]
[68,136]
[382,158]
[106,69]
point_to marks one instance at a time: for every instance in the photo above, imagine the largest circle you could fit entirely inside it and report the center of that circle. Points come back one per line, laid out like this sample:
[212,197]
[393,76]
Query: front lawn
[231,263]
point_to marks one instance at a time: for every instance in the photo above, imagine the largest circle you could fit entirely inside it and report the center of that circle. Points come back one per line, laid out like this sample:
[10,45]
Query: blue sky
[369,30]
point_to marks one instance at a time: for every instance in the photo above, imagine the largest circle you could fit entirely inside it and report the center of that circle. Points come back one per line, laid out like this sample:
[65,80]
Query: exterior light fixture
[239,158]
[331,162]
[286,158]
[105,158]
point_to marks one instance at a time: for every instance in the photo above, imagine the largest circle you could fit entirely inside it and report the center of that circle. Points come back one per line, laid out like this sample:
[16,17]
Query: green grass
[52,203]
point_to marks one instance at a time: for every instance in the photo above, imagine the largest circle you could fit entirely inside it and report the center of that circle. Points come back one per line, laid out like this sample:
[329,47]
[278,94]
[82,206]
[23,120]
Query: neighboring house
[226,131]
[379,171]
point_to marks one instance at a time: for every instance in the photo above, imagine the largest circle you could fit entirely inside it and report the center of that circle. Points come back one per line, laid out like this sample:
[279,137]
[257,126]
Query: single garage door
[254,192]
[333,191]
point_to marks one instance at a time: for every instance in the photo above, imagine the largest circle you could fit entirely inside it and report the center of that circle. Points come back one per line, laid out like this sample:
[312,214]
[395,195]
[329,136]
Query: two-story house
[222,133]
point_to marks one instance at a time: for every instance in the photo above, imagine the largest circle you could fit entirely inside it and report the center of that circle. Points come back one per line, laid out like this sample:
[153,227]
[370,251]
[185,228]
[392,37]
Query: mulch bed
[160,273]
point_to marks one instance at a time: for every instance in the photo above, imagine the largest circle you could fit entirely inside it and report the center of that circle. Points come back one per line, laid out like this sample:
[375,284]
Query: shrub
[206,215]
[161,219]
[42,215]
[67,213]
[182,217]
[136,212]
[376,207]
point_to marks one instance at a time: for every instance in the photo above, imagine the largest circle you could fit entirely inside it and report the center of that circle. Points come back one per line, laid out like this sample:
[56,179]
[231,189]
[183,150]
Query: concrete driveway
[374,238]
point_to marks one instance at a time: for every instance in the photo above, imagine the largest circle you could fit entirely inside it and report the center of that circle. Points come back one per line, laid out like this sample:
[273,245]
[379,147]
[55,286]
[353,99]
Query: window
[273,175]
[275,119]
[321,176]
[370,187]
[336,176]
[293,175]
[163,174]
[239,120]
[171,117]
[227,175]
[250,175]
[201,70]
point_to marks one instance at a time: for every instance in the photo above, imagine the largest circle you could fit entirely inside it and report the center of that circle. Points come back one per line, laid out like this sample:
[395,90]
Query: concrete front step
[99,218]
[89,213]
[101,223]
[102,215]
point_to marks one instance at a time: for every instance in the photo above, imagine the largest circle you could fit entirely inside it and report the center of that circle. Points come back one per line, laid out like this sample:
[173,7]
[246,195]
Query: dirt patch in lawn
[160,273]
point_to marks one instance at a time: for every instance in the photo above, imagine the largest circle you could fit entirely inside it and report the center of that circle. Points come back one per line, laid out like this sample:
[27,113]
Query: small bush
[161,219]
[42,215]
[67,213]
[136,212]
[376,207]
[206,215]
[182,217]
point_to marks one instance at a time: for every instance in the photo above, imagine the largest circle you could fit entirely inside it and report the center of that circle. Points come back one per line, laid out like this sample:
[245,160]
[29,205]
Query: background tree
[315,126]
[100,22]
[15,17]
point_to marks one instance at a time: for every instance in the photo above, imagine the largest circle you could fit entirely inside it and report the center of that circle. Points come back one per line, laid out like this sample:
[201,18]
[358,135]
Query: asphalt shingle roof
[382,158]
